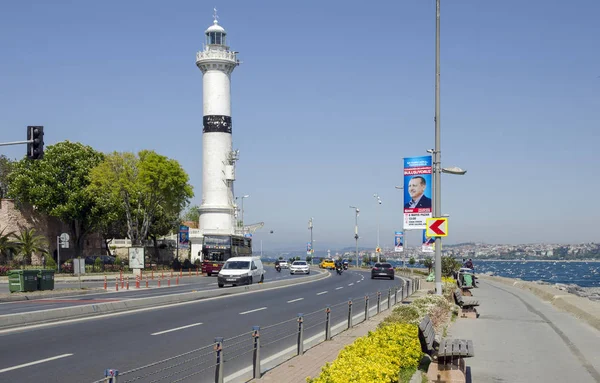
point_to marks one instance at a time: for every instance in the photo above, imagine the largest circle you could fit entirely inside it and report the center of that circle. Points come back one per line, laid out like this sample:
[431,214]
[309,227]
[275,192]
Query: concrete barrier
[580,307]
[53,315]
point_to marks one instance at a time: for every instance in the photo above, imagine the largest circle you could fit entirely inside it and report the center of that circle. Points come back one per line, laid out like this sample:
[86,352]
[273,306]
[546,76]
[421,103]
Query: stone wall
[15,217]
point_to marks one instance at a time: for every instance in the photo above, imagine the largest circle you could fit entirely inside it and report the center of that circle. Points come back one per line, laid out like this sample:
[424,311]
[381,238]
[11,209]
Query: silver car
[299,267]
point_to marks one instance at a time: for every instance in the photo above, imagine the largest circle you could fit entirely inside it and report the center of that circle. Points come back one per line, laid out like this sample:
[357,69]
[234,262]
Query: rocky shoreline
[592,293]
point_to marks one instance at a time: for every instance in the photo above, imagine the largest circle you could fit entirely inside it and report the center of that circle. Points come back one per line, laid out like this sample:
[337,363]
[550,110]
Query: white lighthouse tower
[217,62]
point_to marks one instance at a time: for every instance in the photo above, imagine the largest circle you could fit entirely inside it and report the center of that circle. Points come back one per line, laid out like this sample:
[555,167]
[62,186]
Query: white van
[241,271]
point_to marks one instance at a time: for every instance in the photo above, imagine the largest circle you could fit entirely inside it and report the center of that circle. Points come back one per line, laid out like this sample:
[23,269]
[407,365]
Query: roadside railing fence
[246,352]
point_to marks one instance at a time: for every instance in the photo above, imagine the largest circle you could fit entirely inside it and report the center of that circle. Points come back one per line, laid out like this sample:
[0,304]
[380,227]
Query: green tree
[162,224]
[449,265]
[29,242]
[428,262]
[191,214]
[57,186]
[412,261]
[6,166]
[143,185]
[308,258]
[7,244]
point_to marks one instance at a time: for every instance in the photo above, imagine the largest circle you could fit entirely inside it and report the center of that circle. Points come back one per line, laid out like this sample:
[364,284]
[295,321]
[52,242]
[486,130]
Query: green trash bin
[22,280]
[46,279]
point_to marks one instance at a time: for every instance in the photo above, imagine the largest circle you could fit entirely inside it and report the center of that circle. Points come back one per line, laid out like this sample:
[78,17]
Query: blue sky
[328,100]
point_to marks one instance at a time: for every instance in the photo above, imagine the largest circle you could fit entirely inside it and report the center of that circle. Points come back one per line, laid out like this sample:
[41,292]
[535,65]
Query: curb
[17,298]
[54,315]
[582,308]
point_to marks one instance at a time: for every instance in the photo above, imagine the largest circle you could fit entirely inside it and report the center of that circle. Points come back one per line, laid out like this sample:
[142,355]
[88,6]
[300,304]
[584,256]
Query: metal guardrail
[291,335]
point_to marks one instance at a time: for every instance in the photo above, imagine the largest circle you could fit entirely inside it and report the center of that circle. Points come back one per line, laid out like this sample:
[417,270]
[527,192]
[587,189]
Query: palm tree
[7,246]
[29,242]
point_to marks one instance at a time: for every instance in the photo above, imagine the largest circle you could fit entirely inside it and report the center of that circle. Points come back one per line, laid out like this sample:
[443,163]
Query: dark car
[382,270]
[106,259]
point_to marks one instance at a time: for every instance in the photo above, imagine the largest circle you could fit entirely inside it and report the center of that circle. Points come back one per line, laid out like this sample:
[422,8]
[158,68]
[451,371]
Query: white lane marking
[357,281]
[175,329]
[322,292]
[351,284]
[295,300]
[34,363]
[252,311]
[339,288]
[133,311]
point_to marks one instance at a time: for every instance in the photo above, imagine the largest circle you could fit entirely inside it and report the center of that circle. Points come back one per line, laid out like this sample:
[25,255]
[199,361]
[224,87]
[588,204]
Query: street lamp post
[310,227]
[244,196]
[379,203]
[356,211]
[405,249]
[437,154]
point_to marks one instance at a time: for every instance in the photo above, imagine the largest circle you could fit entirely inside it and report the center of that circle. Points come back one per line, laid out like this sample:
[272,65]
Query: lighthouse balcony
[216,55]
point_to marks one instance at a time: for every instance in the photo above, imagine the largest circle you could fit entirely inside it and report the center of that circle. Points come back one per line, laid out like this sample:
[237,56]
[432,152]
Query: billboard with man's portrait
[417,192]
[398,241]
[428,243]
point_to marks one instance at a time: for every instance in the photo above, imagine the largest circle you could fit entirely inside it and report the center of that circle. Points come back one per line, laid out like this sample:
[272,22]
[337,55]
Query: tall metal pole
[356,210]
[243,213]
[377,250]
[378,213]
[310,226]
[437,208]
[356,235]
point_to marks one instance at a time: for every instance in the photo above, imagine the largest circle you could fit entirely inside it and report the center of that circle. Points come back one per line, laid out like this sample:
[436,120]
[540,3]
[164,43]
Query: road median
[54,315]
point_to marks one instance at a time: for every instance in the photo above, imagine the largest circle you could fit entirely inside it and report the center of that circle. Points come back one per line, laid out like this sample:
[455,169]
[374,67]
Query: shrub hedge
[376,358]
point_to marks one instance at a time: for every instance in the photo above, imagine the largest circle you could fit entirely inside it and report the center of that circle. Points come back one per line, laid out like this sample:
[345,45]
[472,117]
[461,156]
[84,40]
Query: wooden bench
[447,355]
[467,307]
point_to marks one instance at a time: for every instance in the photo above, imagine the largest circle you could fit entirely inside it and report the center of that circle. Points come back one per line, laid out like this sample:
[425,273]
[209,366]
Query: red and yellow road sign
[437,227]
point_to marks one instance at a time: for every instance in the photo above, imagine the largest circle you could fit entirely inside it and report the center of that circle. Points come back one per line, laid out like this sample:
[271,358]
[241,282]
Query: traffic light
[35,148]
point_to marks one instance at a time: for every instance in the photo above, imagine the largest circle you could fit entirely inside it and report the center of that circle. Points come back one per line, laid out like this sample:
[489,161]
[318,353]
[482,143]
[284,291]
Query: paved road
[520,338]
[83,349]
[186,284]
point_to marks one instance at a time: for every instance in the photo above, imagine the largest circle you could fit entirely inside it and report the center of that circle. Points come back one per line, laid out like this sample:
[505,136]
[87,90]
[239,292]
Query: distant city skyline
[327,102]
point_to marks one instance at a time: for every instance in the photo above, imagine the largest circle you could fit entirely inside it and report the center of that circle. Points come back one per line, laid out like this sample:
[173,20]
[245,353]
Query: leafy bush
[376,358]
[98,263]
[66,268]
[50,263]
[4,270]
[435,306]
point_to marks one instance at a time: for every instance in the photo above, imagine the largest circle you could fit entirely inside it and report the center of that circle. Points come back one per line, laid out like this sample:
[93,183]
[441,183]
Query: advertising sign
[308,248]
[428,243]
[136,257]
[417,192]
[398,241]
[184,237]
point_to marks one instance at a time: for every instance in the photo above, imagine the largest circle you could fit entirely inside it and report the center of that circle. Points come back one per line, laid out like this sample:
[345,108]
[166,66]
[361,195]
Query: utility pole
[437,169]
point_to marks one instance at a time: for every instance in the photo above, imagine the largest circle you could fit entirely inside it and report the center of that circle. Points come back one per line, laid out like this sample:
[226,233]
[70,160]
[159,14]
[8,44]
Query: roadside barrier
[137,281]
[248,355]
[105,283]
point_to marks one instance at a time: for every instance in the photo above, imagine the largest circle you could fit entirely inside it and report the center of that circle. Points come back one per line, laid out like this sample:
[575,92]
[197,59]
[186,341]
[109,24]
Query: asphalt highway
[186,284]
[80,351]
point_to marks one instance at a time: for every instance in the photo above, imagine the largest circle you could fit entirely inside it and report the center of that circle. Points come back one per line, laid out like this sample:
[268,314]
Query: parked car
[106,259]
[299,267]
[382,270]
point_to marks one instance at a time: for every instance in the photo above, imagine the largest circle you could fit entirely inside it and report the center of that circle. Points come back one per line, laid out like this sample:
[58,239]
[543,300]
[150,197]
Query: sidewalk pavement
[309,364]
[519,337]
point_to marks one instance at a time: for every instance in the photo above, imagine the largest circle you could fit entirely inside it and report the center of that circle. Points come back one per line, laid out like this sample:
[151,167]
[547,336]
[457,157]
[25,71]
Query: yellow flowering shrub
[375,358]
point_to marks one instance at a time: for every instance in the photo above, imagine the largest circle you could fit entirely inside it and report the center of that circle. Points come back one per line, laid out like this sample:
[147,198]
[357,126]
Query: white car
[299,267]
[283,264]
[241,271]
